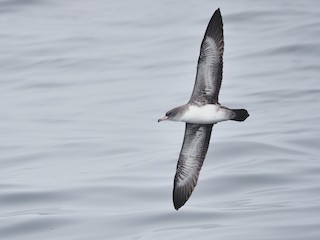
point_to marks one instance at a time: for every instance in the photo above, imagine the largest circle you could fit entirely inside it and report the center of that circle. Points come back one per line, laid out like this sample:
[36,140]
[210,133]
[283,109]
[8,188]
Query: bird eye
[169,114]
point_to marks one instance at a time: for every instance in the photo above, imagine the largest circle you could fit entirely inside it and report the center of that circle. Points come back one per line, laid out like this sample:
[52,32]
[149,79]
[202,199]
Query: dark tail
[240,115]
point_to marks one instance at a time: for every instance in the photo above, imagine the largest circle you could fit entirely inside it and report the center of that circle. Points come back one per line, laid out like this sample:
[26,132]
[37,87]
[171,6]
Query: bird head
[173,115]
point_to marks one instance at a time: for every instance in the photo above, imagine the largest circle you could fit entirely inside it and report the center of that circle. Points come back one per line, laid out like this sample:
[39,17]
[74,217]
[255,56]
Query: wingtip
[217,13]
[178,199]
[177,203]
[215,27]
[177,206]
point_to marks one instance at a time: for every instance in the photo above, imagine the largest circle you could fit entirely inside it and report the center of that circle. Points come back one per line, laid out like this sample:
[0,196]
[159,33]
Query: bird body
[201,112]
[206,114]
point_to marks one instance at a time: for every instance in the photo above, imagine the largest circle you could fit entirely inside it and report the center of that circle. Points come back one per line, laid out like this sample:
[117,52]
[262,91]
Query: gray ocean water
[82,155]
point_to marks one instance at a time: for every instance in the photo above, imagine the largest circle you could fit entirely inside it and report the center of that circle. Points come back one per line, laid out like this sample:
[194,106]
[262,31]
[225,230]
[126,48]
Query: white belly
[207,114]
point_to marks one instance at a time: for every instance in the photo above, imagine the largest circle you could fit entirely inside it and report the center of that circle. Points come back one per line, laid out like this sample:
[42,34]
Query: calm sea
[82,155]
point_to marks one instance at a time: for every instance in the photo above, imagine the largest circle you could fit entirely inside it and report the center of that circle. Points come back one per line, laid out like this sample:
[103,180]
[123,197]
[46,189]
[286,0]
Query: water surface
[83,84]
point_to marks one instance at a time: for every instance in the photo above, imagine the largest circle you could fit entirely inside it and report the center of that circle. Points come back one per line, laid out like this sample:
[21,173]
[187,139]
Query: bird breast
[206,114]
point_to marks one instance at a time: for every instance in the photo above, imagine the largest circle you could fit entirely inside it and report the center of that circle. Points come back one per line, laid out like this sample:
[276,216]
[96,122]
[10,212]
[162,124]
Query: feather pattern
[194,149]
[209,71]
[206,90]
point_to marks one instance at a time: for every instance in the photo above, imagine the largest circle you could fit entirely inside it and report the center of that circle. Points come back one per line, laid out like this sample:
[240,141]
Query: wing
[194,149]
[209,71]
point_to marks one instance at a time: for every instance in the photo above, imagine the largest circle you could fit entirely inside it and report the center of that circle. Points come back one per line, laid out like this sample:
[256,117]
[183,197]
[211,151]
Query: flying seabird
[201,112]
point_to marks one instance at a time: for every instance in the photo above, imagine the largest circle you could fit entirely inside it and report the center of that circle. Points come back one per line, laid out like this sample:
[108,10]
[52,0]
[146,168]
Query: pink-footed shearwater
[201,112]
